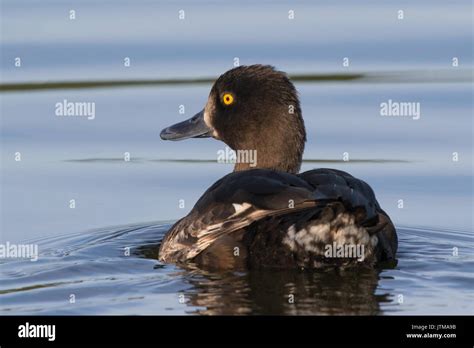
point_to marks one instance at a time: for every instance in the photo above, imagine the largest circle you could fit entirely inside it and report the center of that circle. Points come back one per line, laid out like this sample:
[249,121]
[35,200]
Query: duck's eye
[227,98]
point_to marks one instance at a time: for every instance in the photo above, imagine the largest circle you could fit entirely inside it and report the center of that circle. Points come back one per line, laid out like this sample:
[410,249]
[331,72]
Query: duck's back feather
[243,204]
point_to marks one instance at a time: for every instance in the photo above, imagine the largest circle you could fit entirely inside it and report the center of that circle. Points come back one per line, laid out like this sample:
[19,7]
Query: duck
[266,213]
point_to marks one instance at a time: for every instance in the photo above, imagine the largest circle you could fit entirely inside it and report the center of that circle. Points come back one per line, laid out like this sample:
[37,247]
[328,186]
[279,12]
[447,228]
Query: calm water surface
[94,268]
[409,163]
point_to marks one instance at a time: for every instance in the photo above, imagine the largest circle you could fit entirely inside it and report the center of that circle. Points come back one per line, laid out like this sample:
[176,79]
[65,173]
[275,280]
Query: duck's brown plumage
[271,216]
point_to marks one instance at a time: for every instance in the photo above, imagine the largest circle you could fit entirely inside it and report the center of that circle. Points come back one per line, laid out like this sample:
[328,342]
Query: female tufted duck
[271,215]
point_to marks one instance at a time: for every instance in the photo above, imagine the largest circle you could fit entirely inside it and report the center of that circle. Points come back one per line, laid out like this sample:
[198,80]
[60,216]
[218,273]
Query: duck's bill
[195,127]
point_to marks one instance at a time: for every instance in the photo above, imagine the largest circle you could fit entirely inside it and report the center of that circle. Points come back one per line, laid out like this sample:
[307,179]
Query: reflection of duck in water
[271,215]
[285,292]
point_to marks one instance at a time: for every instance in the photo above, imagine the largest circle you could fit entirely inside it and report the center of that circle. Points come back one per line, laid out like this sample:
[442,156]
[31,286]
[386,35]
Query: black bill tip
[168,134]
[195,127]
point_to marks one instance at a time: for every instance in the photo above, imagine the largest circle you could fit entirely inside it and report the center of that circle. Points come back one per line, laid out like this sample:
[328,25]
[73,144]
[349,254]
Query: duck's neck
[283,165]
[276,152]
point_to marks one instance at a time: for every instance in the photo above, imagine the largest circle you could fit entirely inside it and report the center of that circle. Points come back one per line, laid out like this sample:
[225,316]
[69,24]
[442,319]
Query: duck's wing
[241,198]
[232,203]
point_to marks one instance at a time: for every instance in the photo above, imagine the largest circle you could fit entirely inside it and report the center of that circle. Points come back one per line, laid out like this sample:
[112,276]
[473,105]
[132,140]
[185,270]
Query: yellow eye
[227,99]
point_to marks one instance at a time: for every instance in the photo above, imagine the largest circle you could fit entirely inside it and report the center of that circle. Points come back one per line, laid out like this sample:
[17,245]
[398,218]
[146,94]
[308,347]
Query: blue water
[94,268]
[131,204]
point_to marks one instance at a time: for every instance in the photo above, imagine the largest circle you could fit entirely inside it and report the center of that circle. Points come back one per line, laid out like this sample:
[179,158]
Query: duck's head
[251,108]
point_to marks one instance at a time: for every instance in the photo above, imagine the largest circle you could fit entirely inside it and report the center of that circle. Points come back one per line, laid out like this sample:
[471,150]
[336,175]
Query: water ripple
[94,269]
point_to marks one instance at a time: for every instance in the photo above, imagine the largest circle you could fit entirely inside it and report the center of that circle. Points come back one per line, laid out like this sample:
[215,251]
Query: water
[64,159]
[103,279]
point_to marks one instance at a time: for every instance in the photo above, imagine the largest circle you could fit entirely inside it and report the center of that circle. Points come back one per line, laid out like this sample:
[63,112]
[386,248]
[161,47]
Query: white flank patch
[341,230]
